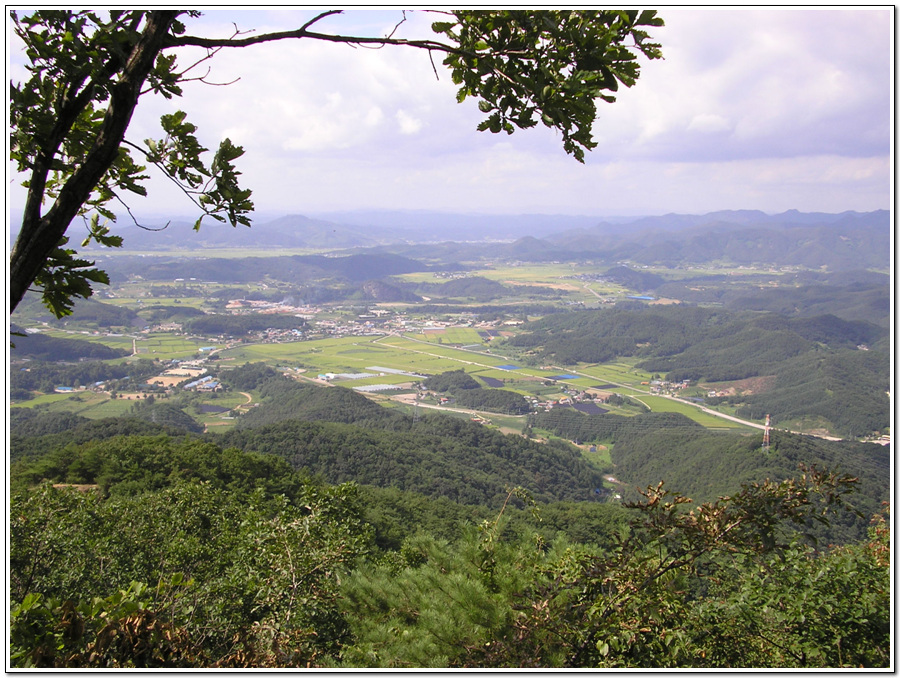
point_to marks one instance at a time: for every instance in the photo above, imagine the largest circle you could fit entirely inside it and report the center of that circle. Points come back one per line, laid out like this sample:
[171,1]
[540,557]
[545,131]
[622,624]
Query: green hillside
[823,366]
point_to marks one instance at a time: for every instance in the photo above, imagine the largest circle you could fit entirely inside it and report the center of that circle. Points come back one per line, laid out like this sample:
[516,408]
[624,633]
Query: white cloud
[709,122]
[767,109]
[787,82]
[408,123]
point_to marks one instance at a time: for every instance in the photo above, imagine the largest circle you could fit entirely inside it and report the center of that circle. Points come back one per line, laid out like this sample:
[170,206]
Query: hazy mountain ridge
[292,269]
[840,241]
[837,241]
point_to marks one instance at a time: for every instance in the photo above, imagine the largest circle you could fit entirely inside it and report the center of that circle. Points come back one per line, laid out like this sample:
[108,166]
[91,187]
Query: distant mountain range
[848,240]
[838,242]
[344,230]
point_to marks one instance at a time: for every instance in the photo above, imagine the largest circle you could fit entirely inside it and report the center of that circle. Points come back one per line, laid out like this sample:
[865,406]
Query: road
[582,374]
[707,410]
[702,408]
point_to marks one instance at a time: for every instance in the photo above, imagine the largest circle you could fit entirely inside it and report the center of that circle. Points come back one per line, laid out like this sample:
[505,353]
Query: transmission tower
[766,437]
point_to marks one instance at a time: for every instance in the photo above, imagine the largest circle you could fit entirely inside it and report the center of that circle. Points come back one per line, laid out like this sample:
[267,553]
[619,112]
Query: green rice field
[416,354]
[159,345]
[451,335]
[411,354]
[83,403]
[168,346]
[661,404]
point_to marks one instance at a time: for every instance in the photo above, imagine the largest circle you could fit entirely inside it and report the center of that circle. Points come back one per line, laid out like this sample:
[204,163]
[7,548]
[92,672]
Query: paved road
[702,408]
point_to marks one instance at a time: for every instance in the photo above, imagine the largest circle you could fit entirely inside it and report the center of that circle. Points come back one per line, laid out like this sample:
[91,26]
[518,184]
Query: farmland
[408,359]
[470,321]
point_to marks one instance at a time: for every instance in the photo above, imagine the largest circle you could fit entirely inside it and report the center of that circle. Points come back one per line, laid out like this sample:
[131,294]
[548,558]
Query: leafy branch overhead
[548,66]
[88,70]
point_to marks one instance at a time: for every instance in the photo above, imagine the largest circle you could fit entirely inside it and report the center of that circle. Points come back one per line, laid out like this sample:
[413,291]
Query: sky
[762,108]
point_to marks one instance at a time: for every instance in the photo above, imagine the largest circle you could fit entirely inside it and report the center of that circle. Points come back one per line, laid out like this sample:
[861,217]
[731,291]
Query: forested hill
[706,465]
[282,399]
[822,366]
[437,456]
[703,465]
[837,242]
[850,295]
[341,435]
[293,269]
[42,347]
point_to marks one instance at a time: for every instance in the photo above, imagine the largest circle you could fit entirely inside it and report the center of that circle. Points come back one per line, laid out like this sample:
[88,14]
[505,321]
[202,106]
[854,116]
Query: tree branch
[209,43]
[40,235]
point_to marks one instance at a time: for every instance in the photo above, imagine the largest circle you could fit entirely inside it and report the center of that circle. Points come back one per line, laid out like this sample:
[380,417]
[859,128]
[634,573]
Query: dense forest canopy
[290,573]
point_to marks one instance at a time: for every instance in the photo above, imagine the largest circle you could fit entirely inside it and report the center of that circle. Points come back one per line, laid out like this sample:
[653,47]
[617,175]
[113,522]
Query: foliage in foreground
[193,576]
[723,585]
[188,576]
[88,70]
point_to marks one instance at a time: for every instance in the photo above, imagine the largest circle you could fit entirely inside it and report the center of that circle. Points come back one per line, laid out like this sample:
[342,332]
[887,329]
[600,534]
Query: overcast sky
[765,108]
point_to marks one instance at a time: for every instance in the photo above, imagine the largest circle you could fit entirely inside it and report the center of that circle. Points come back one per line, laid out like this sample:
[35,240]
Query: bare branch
[391,34]
[184,189]
[134,219]
[433,67]
[194,41]
[320,16]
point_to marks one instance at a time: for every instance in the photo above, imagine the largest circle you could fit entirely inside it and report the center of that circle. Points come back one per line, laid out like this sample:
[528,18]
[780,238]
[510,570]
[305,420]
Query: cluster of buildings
[660,386]
[245,306]
[585,401]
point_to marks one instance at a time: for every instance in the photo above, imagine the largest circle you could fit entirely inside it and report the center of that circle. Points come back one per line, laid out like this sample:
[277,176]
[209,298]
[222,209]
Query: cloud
[408,123]
[783,83]
[767,108]
[709,122]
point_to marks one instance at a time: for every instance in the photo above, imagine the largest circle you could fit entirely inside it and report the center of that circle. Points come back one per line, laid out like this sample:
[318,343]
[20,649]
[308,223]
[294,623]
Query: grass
[47,399]
[119,340]
[83,403]
[452,335]
[601,458]
[161,345]
[661,404]
[167,346]
[357,354]
[107,408]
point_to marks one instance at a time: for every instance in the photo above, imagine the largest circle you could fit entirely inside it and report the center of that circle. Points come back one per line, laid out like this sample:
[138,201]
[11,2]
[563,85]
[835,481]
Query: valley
[420,399]
[476,321]
[310,369]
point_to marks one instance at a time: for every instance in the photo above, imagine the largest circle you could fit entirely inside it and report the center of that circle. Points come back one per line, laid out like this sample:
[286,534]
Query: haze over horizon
[759,109]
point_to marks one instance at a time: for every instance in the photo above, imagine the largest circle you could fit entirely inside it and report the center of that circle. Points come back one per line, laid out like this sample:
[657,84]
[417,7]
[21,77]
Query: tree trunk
[40,235]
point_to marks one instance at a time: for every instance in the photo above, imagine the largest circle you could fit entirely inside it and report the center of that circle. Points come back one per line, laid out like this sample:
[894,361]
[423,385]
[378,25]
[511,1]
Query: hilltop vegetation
[817,363]
[191,555]
[211,550]
[42,347]
[850,295]
[341,436]
[338,435]
[468,393]
[706,465]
